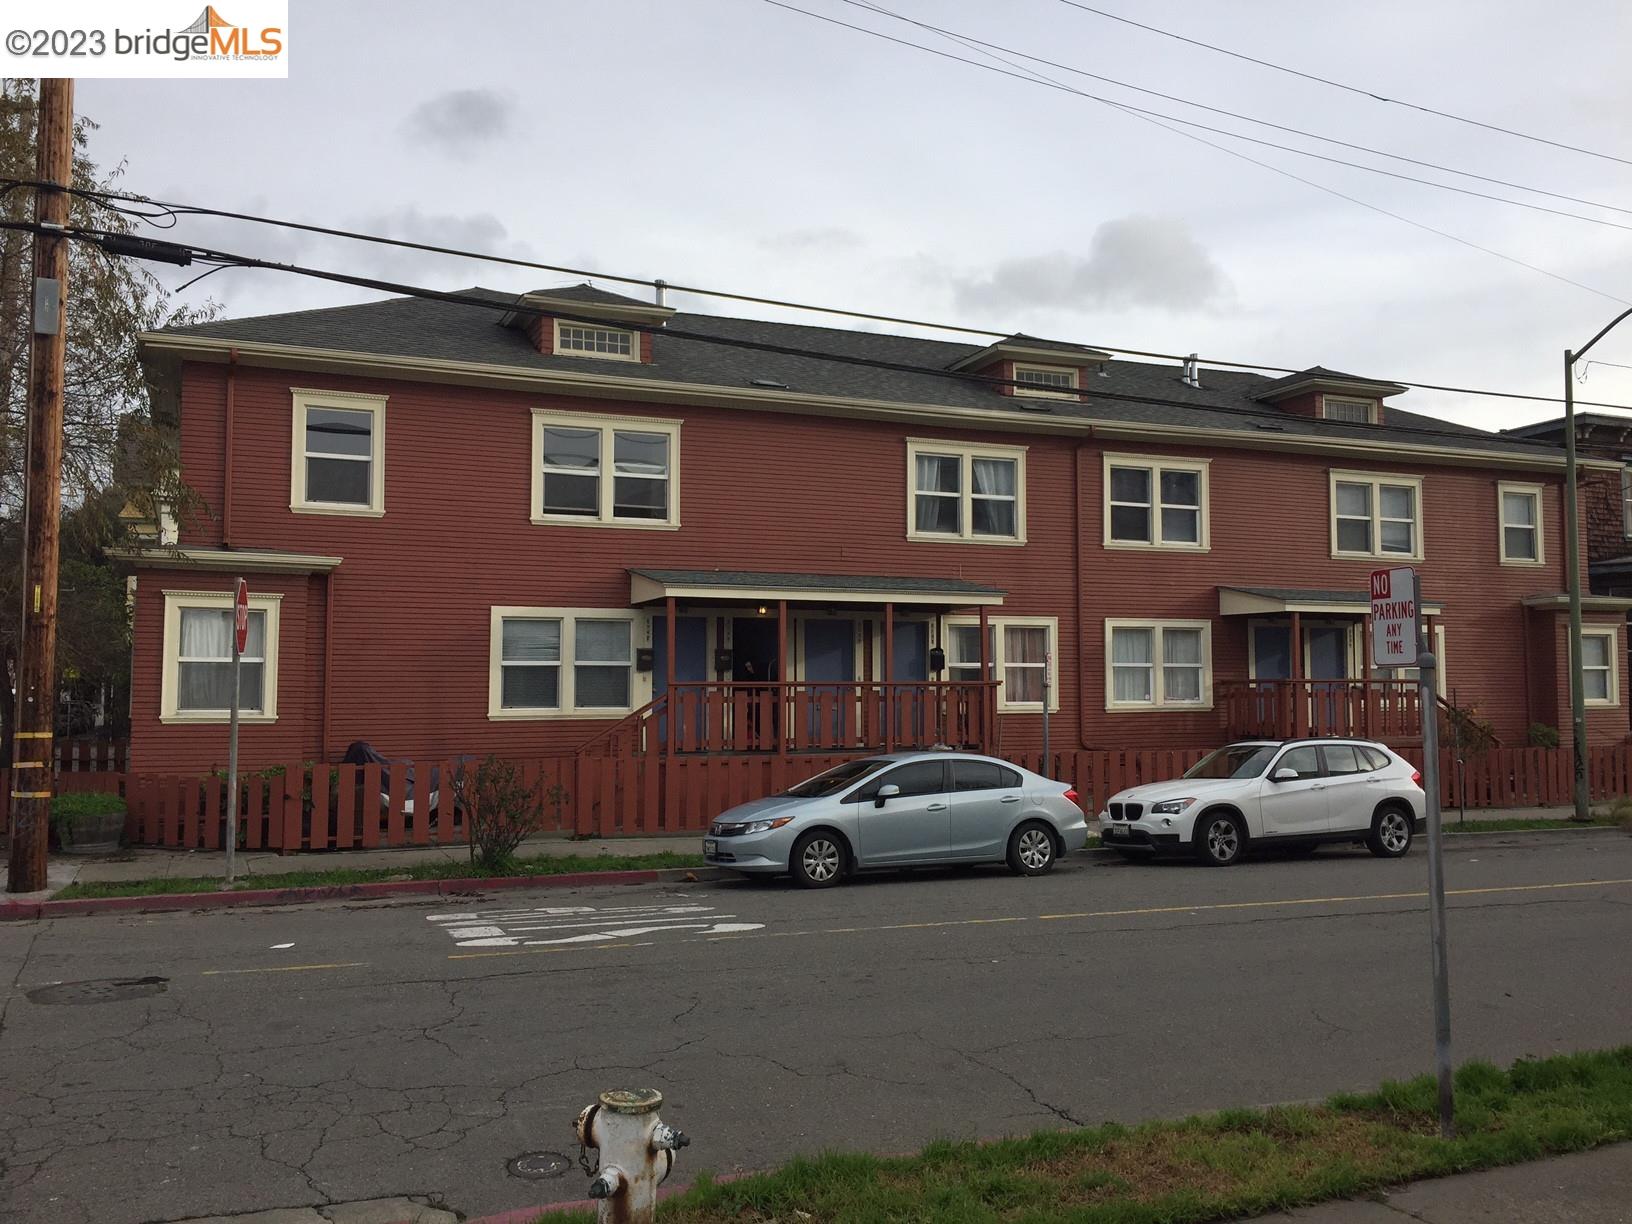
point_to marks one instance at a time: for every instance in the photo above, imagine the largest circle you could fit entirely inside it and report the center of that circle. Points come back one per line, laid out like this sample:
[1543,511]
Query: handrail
[1459,712]
[634,719]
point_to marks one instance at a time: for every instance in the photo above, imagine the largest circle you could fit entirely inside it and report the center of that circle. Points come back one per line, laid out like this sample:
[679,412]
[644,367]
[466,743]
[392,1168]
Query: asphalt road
[290,1056]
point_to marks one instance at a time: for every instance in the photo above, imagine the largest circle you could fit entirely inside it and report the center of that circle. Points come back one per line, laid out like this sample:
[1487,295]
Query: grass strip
[1518,824]
[1240,1162]
[449,869]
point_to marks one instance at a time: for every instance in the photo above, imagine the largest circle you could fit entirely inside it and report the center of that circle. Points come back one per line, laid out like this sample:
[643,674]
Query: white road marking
[551,924]
[281,947]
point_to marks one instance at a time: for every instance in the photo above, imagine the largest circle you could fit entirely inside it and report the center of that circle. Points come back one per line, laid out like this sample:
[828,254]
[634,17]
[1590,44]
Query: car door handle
[1318,786]
[936,807]
[1010,799]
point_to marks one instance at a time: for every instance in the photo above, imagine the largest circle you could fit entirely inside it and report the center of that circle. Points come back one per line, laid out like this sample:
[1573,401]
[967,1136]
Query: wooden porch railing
[727,716]
[1389,710]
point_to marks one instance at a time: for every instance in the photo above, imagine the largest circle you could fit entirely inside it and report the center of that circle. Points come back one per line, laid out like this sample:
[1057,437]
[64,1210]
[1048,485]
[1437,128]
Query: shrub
[1540,735]
[66,809]
[501,809]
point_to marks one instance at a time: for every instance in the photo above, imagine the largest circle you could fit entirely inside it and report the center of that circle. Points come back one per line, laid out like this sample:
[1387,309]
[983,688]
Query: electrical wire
[974,43]
[779,303]
[1148,116]
[1354,89]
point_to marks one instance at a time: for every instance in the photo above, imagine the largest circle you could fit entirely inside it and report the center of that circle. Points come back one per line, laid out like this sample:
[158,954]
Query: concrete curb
[526,1215]
[22,911]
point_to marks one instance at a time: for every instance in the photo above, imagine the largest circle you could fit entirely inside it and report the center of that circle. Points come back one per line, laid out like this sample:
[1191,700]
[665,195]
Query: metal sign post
[1398,640]
[1048,662]
[240,638]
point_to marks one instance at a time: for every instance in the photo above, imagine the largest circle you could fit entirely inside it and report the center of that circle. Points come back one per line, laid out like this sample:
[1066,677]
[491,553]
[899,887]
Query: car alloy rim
[1222,842]
[821,860]
[1035,848]
[1396,836]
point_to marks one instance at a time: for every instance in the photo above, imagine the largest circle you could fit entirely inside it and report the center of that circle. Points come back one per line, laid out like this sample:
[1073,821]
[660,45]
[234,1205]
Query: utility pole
[32,780]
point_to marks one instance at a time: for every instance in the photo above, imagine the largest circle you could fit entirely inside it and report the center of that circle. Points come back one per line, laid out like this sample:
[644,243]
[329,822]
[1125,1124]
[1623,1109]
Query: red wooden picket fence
[88,755]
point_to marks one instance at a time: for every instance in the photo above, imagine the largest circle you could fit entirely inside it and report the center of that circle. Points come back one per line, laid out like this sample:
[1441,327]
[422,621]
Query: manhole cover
[103,990]
[536,1166]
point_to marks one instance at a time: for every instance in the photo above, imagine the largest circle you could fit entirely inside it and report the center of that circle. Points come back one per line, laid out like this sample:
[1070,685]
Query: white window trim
[1532,491]
[351,401]
[170,682]
[1039,392]
[1155,464]
[1612,636]
[1375,479]
[1370,405]
[634,341]
[1626,503]
[608,425]
[639,682]
[998,625]
[1158,703]
[966,453]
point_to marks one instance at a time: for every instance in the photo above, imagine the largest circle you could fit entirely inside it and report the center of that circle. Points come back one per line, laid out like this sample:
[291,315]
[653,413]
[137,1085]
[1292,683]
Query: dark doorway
[753,650]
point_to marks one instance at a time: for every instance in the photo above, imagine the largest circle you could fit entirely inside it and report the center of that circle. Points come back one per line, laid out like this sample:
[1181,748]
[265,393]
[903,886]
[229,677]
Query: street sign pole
[1048,662]
[240,633]
[1427,673]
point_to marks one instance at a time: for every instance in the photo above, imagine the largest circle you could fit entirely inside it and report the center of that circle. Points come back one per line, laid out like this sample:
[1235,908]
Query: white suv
[1298,793]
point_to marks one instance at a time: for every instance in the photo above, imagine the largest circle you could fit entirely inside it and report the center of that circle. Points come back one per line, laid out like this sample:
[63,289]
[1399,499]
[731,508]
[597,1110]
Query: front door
[690,667]
[910,707]
[754,708]
[830,676]
[913,826]
[1326,657]
[1297,806]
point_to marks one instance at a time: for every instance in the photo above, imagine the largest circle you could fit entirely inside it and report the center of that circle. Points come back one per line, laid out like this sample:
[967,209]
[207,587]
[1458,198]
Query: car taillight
[1071,793]
[1416,777]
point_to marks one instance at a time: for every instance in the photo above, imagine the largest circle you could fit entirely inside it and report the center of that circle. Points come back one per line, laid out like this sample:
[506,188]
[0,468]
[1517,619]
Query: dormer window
[582,340]
[1344,408]
[1058,382]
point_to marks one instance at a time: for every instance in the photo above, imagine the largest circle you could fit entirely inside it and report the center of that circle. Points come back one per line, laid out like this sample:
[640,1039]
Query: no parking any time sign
[1394,617]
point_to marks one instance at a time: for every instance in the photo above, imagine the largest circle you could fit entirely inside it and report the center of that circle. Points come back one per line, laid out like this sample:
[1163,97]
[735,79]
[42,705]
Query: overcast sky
[732,144]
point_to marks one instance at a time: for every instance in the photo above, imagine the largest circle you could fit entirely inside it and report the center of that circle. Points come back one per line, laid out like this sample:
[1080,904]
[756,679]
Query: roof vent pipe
[1192,375]
[660,286]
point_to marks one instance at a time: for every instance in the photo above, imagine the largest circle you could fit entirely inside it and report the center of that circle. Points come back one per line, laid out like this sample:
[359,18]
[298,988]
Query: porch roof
[1251,601]
[648,585]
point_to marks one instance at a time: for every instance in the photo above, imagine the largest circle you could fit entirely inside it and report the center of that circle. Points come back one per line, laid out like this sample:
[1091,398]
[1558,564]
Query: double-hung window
[620,472]
[339,453]
[1155,503]
[1154,665]
[1376,516]
[1519,506]
[561,662]
[1022,653]
[196,685]
[587,340]
[961,492]
[1600,672]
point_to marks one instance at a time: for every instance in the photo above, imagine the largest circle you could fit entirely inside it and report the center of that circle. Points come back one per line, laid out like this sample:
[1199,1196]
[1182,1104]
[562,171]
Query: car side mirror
[888,791]
[1284,774]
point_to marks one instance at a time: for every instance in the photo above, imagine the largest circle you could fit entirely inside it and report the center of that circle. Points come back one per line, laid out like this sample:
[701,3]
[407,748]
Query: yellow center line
[588,947]
[284,968]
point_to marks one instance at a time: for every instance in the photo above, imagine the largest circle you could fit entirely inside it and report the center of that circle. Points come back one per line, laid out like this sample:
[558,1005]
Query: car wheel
[1220,839]
[1031,850]
[818,860]
[1391,833]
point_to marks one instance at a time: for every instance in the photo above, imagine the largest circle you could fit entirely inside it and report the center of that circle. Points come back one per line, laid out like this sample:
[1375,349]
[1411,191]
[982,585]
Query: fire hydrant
[636,1151]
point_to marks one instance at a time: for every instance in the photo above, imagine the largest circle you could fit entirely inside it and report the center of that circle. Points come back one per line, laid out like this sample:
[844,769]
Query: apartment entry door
[1326,651]
[829,657]
[690,666]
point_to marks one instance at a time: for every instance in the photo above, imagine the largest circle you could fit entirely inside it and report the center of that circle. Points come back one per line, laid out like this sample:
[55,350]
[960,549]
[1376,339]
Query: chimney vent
[1192,374]
[660,286]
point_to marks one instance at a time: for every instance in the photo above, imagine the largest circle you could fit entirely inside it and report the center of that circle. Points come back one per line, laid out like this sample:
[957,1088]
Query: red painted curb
[20,911]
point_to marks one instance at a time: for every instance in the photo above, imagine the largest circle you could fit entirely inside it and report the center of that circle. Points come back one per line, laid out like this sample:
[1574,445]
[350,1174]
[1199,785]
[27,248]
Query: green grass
[450,869]
[1452,825]
[1240,1162]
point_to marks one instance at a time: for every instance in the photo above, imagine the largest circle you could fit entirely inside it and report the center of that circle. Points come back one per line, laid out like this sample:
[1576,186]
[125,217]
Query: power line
[974,43]
[1034,79]
[172,207]
[1354,89]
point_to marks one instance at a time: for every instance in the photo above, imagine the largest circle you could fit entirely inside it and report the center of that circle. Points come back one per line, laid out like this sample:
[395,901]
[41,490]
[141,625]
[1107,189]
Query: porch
[1309,669]
[780,664]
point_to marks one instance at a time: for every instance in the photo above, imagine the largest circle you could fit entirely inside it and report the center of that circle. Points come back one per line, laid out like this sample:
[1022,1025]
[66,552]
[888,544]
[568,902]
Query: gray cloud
[460,119]
[1131,261]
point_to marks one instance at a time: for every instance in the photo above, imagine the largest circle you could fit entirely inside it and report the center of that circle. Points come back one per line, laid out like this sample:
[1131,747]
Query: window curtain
[1131,663]
[1024,651]
[1182,666]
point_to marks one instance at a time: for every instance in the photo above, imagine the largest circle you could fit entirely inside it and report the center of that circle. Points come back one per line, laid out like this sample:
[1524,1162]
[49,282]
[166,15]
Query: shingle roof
[589,293]
[1317,374]
[1132,392]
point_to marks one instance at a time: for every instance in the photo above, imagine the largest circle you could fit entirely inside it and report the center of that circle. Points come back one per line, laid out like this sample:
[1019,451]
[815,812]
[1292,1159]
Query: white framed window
[605,471]
[1376,516]
[561,662]
[957,491]
[1519,524]
[338,457]
[196,685]
[1626,502]
[1023,652]
[1052,382]
[1158,665]
[1153,502]
[594,340]
[1600,671]
[1346,408]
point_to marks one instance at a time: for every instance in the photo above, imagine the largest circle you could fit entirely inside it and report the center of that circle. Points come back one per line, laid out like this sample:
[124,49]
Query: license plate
[1114,831]
[709,845]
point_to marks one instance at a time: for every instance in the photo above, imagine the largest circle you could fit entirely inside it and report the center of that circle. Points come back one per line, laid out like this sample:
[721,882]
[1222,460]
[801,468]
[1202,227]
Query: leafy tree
[115,455]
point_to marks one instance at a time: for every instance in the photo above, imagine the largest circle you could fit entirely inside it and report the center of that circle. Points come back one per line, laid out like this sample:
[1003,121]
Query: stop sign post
[1398,640]
[240,639]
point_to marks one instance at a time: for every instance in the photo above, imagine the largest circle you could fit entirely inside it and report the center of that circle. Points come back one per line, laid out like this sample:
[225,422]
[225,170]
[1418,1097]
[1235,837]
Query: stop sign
[240,615]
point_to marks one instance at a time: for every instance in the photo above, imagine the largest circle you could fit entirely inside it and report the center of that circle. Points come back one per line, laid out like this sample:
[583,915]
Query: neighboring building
[473,530]
[1605,491]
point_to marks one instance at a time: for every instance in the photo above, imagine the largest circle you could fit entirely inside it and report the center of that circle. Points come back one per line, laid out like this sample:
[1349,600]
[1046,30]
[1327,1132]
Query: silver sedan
[906,809]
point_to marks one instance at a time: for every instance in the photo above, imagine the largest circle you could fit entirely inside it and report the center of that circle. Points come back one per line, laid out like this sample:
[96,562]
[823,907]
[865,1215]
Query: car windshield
[835,779]
[1233,761]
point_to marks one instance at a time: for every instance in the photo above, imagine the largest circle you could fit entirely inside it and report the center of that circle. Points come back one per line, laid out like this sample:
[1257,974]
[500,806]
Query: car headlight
[765,826]
[1171,807]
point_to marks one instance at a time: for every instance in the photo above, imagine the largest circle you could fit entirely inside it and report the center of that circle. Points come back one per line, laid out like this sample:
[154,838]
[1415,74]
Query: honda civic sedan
[905,809]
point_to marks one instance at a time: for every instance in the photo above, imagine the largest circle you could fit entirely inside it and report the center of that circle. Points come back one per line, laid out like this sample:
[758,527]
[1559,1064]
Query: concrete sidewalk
[1585,1188]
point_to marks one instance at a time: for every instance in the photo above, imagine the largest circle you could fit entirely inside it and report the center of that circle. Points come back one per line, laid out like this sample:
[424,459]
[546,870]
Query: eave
[227,560]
